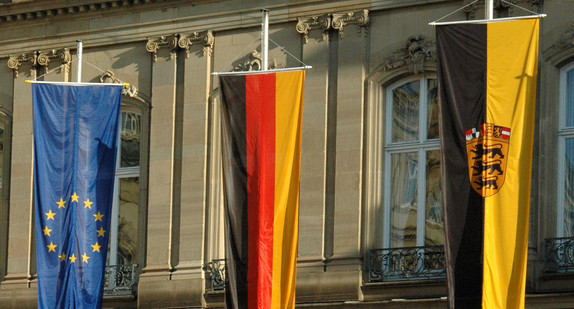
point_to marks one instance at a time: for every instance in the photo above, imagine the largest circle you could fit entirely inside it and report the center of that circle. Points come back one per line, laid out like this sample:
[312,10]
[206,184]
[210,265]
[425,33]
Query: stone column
[162,203]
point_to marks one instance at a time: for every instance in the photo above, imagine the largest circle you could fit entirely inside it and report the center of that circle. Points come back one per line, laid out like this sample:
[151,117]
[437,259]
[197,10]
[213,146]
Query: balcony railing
[120,280]
[215,275]
[559,255]
[402,264]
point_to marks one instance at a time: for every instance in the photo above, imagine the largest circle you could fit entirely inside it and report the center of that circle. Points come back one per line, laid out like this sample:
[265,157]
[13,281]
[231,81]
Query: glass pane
[404,199]
[432,110]
[406,112]
[130,139]
[569,189]
[128,220]
[570,98]
[434,226]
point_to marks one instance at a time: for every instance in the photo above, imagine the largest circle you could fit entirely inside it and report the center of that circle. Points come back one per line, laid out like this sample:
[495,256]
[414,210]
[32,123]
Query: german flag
[261,158]
[487,87]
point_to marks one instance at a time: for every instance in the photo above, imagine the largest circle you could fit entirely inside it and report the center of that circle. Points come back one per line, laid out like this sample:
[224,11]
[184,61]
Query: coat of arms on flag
[487,151]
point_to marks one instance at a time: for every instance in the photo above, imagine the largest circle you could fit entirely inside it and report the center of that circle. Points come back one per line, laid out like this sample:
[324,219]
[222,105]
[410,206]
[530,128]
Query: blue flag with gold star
[75,142]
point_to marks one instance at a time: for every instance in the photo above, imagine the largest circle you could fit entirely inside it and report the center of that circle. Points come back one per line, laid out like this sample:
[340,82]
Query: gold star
[96,246]
[88,204]
[75,197]
[101,231]
[61,203]
[46,231]
[98,216]
[72,258]
[51,247]
[62,257]
[85,258]
[50,215]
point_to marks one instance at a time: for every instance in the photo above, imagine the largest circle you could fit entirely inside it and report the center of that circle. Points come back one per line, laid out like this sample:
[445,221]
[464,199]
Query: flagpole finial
[126,84]
[27,81]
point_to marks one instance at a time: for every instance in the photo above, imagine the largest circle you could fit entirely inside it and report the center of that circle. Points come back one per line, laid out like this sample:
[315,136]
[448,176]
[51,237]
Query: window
[565,218]
[412,194]
[128,212]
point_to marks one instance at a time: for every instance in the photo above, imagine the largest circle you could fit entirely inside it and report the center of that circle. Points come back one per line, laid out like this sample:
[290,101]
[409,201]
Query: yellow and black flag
[487,85]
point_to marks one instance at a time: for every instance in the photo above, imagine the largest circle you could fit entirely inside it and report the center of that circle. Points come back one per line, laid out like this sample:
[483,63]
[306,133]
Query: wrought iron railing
[559,255]
[402,264]
[120,280]
[215,275]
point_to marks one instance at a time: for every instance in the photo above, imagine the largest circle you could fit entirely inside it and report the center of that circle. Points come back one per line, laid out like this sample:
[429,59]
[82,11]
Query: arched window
[411,195]
[565,214]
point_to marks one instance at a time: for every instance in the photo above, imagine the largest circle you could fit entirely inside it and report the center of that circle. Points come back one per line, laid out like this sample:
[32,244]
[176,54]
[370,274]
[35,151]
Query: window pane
[569,189]
[432,110]
[128,220]
[434,226]
[404,199]
[406,112]
[130,139]
[570,98]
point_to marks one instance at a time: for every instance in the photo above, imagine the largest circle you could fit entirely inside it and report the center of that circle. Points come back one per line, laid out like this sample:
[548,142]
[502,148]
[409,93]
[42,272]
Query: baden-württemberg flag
[261,154]
[487,86]
[75,137]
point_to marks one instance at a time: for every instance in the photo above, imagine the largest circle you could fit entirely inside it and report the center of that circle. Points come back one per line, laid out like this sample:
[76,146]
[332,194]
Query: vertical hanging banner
[262,116]
[75,139]
[487,87]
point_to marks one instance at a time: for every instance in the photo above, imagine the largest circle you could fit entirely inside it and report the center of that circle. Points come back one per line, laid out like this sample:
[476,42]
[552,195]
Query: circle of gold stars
[51,216]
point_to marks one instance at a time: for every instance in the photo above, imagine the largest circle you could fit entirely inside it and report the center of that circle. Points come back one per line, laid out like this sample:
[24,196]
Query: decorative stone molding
[38,59]
[563,49]
[253,63]
[205,38]
[110,77]
[304,25]
[360,18]
[334,21]
[415,54]
[153,45]
[50,11]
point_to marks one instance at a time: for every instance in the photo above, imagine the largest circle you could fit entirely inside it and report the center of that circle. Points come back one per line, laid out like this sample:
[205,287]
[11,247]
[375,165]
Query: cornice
[189,17]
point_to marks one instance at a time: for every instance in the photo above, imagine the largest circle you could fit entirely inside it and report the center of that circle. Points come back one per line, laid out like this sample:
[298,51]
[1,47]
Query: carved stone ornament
[153,45]
[414,55]
[360,18]
[335,21]
[204,38]
[39,59]
[110,77]
[304,25]
[253,63]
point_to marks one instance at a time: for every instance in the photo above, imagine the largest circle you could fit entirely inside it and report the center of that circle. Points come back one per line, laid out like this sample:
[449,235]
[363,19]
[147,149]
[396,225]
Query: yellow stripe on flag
[512,53]
[289,98]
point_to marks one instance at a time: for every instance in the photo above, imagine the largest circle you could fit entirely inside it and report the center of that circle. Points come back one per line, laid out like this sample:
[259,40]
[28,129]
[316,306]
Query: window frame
[564,133]
[422,145]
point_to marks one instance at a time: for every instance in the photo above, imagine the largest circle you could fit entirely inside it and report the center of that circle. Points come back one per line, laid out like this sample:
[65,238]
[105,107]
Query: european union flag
[75,139]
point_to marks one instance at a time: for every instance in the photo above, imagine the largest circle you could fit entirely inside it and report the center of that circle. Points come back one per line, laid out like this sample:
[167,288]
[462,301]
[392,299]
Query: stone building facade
[370,218]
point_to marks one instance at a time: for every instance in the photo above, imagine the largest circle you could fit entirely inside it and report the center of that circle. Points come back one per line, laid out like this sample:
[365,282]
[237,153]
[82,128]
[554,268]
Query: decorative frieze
[40,59]
[204,38]
[334,21]
[110,77]
[415,54]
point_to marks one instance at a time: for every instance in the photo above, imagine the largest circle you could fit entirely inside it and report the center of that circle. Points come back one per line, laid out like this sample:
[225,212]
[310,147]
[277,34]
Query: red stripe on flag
[260,135]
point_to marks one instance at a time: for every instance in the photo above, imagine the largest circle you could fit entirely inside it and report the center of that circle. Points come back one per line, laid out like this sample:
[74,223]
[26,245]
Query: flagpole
[265,40]
[80,51]
[489,10]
